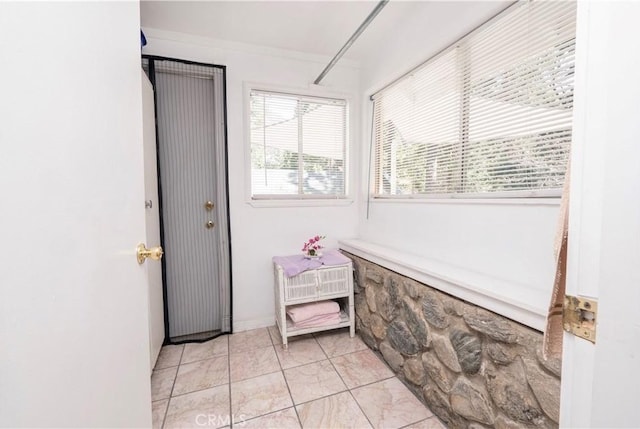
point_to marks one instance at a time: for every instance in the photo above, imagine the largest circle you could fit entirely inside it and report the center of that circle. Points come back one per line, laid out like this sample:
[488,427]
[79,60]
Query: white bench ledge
[513,300]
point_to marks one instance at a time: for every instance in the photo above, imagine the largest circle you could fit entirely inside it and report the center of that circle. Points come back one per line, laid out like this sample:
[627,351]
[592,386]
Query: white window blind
[490,116]
[298,146]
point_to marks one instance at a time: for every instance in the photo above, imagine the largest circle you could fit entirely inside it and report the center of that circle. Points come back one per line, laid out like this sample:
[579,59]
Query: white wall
[511,243]
[258,233]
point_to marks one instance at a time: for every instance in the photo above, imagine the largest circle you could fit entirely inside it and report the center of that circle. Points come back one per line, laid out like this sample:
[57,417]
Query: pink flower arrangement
[312,245]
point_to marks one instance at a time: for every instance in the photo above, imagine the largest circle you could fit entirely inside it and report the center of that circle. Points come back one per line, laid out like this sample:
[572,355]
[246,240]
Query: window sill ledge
[328,202]
[481,201]
[514,301]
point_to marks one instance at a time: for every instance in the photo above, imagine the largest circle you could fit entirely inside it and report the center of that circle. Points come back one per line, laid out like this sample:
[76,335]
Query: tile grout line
[322,397]
[231,423]
[197,390]
[259,375]
[208,358]
[293,404]
[166,411]
[365,384]
[273,411]
[328,359]
[395,376]
[313,363]
[214,355]
[389,378]
[373,382]
[202,360]
[242,351]
[282,370]
[407,386]
[348,389]
[315,336]
[255,376]
[268,414]
[423,420]
[360,408]
[203,388]
[177,371]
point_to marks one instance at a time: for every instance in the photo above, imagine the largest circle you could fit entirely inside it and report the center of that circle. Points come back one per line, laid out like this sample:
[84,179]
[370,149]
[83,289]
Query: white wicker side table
[318,284]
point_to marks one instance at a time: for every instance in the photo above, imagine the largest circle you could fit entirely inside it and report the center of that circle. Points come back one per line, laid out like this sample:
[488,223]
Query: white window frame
[298,200]
[537,196]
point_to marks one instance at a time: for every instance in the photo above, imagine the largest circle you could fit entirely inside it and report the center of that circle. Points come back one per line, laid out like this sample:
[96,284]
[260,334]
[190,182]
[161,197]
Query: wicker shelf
[320,284]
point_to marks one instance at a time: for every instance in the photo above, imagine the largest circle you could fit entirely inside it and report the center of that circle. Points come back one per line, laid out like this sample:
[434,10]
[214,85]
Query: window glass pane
[298,145]
[274,145]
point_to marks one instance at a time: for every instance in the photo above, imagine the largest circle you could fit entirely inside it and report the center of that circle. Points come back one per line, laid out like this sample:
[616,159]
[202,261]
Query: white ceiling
[313,27]
[317,27]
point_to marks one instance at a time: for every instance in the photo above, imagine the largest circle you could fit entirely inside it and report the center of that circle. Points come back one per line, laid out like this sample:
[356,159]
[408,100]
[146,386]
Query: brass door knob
[209,224]
[208,205]
[143,253]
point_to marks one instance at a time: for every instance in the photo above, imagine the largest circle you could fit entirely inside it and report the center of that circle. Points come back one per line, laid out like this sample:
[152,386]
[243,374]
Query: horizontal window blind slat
[298,145]
[491,114]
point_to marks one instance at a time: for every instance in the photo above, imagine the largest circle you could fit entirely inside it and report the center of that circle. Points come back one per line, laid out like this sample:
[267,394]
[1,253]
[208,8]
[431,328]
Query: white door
[74,334]
[601,382]
[152,218]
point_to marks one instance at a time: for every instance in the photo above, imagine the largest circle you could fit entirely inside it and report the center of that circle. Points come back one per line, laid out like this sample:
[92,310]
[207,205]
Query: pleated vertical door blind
[298,146]
[490,116]
[191,151]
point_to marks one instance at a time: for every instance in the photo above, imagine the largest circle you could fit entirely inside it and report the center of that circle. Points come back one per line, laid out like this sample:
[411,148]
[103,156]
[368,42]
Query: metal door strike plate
[579,316]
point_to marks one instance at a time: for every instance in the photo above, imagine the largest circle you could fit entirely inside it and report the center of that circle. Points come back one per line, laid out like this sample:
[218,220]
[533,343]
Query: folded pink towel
[323,320]
[301,312]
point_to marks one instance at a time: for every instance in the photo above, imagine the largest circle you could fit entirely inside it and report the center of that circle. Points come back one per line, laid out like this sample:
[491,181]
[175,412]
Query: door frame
[152,77]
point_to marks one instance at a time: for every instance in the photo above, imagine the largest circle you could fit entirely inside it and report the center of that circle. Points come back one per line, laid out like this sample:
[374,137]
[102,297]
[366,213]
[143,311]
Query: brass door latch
[579,317]
[142,253]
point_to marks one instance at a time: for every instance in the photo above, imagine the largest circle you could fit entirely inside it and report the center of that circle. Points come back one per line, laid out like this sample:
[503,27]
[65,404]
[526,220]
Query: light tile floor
[247,380]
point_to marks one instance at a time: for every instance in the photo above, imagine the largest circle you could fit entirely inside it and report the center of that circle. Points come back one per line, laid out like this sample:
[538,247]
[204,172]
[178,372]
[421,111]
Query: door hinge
[579,317]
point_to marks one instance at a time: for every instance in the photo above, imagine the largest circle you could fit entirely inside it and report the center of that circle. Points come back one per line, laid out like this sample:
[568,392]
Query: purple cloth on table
[296,264]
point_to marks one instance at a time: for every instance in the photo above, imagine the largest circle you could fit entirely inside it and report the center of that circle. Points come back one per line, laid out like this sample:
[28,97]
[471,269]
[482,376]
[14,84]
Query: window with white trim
[298,146]
[488,117]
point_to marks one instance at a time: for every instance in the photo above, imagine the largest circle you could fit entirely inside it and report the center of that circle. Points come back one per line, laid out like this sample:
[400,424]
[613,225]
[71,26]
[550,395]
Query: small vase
[315,255]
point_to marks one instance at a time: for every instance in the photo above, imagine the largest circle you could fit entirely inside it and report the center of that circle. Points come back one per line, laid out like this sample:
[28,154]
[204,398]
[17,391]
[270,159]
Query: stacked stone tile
[471,367]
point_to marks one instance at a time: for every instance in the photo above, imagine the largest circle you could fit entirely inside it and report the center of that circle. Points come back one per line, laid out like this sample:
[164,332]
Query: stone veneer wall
[471,367]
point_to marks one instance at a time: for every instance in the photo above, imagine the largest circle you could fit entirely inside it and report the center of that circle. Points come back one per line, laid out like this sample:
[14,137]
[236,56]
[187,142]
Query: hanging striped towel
[552,346]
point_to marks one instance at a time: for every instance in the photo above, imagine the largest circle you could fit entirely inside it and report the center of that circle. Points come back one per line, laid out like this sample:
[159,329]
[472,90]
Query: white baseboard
[246,325]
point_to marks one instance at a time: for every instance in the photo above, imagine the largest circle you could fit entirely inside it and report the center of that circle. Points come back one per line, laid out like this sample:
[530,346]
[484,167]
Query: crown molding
[246,48]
